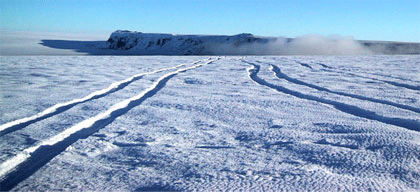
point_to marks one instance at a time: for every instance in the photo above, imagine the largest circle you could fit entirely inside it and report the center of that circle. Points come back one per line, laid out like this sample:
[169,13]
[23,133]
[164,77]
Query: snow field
[213,128]
[36,155]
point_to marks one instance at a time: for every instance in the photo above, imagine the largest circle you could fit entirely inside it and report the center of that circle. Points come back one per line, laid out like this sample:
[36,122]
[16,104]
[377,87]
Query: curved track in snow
[247,123]
[31,159]
[61,107]
[393,83]
[346,108]
[282,75]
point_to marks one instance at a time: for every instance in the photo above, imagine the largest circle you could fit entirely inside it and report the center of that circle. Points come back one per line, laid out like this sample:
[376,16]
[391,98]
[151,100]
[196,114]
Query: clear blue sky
[395,20]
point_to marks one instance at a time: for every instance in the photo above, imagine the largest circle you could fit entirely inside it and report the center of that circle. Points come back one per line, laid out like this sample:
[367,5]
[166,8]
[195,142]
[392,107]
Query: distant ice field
[208,123]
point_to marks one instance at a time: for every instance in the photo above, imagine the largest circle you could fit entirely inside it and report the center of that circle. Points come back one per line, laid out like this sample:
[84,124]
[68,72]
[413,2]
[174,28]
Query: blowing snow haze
[302,45]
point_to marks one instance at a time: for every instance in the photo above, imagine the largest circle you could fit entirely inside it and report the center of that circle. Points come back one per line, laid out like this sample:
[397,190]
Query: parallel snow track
[23,165]
[305,65]
[61,107]
[393,83]
[281,75]
[346,108]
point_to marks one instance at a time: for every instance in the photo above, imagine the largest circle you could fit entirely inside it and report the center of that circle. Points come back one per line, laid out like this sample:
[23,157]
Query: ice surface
[295,123]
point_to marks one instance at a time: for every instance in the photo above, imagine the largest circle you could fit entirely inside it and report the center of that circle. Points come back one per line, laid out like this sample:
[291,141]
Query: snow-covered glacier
[209,123]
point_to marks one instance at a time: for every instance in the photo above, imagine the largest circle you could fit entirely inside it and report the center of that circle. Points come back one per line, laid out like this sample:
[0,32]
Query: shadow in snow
[214,147]
[324,65]
[305,65]
[402,85]
[325,142]
[157,188]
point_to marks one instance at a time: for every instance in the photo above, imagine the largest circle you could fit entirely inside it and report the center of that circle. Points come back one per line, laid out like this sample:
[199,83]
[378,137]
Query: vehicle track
[393,83]
[328,68]
[346,108]
[282,75]
[305,65]
[23,165]
[61,107]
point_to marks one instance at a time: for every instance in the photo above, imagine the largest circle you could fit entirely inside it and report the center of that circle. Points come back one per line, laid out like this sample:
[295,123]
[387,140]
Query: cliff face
[168,44]
[242,44]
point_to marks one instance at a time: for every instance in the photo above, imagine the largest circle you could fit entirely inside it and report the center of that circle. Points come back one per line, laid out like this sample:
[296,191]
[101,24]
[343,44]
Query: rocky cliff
[138,43]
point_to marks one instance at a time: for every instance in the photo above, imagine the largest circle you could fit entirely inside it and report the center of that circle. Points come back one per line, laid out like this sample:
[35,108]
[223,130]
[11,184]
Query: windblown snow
[199,123]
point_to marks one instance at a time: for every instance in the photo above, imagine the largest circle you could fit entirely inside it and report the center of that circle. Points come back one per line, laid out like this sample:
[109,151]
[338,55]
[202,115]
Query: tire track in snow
[375,74]
[324,65]
[349,109]
[385,76]
[305,65]
[399,84]
[23,165]
[61,107]
[393,83]
[281,75]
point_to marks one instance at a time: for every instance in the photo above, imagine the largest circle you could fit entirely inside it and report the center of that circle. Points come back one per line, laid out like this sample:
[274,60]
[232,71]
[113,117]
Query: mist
[313,44]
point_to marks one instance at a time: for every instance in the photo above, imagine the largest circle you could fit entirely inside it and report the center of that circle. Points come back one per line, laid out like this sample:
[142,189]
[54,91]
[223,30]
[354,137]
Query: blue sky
[396,20]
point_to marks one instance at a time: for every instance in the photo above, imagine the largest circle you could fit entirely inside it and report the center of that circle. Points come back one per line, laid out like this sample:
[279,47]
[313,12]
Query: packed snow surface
[199,123]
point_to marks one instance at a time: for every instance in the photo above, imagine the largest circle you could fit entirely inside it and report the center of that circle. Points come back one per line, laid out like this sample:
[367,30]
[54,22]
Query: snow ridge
[61,107]
[346,108]
[31,159]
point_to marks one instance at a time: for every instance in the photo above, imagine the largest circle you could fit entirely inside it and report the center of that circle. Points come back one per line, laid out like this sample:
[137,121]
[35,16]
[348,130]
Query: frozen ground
[296,123]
